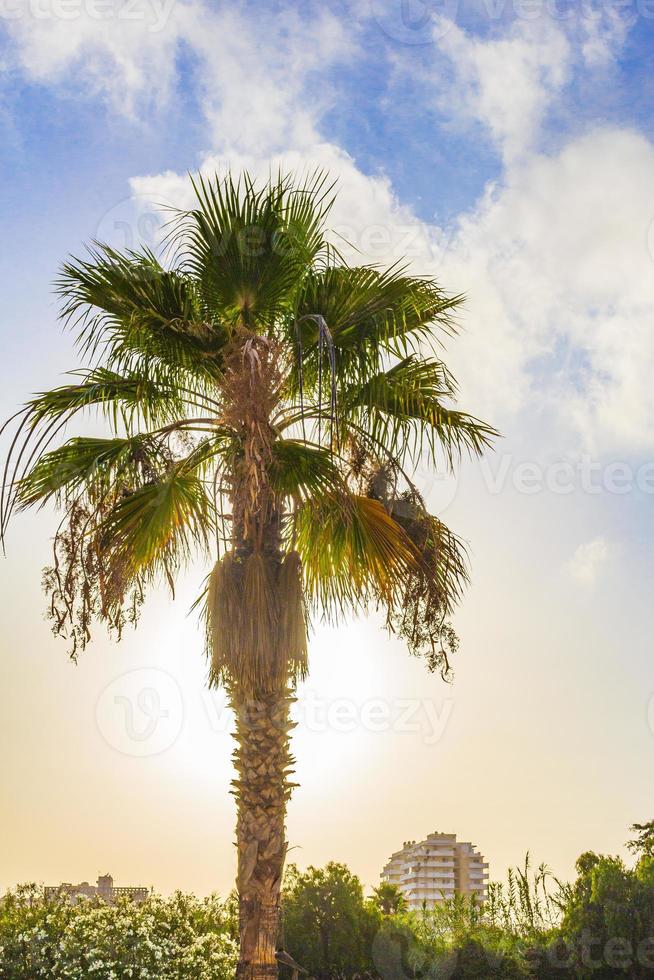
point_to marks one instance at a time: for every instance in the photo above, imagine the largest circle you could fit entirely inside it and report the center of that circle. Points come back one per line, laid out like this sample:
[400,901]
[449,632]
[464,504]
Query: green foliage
[93,464]
[302,471]
[600,927]
[531,926]
[529,904]
[179,938]
[334,932]
[249,248]
[388,898]
[118,395]
[403,406]
[608,922]
[327,924]
[352,551]
[642,845]
[456,939]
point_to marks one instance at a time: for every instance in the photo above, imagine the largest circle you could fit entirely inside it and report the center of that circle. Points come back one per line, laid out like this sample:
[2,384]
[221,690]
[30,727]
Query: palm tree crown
[346,398]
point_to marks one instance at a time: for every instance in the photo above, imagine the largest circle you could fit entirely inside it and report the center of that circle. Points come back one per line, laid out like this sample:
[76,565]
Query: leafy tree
[266,403]
[643,843]
[608,923]
[327,922]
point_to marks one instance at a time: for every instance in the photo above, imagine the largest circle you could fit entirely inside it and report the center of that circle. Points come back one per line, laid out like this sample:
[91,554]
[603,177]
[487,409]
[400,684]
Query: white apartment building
[439,867]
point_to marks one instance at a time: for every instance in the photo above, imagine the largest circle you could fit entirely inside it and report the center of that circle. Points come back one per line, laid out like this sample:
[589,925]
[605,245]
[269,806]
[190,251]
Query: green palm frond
[93,465]
[249,247]
[118,395]
[402,409]
[368,311]
[300,470]
[122,399]
[129,309]
[132,515]
[307,208]
[352,551]
[158,526]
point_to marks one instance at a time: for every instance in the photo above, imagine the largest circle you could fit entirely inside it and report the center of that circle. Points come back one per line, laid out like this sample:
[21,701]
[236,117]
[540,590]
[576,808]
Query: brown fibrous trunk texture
[265,650]
[262,788]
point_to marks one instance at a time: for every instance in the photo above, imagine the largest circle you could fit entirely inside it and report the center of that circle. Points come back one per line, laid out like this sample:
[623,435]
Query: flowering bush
[162,939]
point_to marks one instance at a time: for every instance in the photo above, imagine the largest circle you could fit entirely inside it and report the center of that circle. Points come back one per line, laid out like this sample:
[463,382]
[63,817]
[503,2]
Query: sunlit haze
[511,157]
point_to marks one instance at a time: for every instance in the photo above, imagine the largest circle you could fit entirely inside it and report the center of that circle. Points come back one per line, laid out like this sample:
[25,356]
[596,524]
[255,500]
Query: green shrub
[179,938]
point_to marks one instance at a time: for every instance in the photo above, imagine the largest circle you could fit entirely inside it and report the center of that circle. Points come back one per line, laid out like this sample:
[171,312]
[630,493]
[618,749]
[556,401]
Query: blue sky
[509,155]
[382,106]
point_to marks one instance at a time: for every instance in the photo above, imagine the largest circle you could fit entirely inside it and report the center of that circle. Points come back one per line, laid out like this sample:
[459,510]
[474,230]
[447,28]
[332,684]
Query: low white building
[105,889]
[429,871]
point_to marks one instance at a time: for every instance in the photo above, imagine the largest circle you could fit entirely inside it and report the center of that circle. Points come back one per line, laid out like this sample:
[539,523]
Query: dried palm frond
[259,616]
[224,597]
[293,617]
[432,588]
[256,621]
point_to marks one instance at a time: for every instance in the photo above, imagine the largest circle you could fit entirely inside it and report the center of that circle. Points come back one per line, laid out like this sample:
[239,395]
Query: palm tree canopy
[389,899]
[345,368]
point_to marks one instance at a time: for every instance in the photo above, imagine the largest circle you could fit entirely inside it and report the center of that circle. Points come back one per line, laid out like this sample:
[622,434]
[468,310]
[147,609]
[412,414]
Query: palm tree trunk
[265,646]
[262,760]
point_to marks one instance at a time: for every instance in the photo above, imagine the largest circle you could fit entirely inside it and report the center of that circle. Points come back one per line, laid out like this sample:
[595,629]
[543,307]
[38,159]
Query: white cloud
[557,266]
[554,257]
[256,75]
[252,67]
[118,51]
[603,33]
[587,561]
[505,84]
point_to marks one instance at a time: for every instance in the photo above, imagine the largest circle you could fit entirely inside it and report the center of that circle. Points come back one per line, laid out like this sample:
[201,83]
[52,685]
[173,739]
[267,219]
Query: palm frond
[128,309]
[248,246]
[352,551]
[369,311]
[300,470]
[120,396]
[136,516]
[127,398]
[97,466]
[402,409]
[156,528]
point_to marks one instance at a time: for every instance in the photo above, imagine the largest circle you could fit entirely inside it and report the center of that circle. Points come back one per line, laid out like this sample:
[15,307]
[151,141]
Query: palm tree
[389,899]
[262,404]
